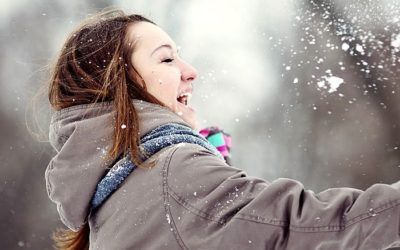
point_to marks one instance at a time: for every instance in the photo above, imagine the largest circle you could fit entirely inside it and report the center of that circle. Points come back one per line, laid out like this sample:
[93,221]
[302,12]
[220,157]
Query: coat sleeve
[212,205]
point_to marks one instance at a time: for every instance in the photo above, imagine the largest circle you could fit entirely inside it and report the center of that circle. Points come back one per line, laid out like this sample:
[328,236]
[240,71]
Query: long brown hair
[94,66]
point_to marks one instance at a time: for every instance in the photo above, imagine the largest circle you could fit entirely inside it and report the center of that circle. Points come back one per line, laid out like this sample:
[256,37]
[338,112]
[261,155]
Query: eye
[168,60]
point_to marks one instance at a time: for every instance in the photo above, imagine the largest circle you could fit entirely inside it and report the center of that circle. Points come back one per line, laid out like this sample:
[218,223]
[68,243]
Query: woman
[117,90]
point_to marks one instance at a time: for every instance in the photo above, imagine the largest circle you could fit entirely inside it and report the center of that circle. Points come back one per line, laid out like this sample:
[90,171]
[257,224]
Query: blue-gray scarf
[160,137]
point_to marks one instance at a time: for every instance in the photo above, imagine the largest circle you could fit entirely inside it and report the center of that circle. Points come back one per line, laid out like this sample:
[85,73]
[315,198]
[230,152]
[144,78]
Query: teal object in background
[216,139]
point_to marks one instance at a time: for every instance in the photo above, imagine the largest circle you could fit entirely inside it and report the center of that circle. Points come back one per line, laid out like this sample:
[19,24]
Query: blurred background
[308,90]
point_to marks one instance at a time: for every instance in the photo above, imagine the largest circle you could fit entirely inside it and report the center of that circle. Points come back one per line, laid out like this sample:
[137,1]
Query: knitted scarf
[160,137]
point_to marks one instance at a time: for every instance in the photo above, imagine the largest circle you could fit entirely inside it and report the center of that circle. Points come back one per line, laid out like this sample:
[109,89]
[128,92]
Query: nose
[189,73]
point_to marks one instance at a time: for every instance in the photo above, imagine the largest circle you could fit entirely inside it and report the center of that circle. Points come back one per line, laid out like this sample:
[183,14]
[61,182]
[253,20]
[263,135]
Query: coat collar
[81,136]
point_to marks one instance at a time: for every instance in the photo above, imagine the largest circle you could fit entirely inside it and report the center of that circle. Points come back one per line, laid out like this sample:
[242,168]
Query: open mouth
[184,98]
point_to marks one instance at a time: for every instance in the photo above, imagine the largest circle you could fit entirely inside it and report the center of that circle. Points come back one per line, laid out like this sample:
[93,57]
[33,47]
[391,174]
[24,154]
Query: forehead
[147,35]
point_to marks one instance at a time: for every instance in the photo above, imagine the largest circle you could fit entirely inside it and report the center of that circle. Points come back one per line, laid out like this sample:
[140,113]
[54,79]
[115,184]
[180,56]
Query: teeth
[188,97]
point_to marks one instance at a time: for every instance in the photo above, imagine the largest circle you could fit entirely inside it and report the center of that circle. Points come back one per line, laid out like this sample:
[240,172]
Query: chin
[194,126]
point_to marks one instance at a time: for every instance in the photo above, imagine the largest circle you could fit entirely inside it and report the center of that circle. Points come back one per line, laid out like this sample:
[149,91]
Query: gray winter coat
[192,199]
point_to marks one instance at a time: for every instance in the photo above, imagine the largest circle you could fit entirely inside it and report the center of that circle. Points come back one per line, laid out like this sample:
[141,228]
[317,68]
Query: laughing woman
[132,170]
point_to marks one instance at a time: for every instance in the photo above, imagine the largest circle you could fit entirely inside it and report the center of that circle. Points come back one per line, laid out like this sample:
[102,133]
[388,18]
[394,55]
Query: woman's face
[165,74]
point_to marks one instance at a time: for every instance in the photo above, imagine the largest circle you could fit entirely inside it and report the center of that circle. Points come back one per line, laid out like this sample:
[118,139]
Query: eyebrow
[163,46]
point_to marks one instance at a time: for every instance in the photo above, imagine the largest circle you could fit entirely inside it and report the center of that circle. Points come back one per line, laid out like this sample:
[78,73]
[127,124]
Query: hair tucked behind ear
[94,66]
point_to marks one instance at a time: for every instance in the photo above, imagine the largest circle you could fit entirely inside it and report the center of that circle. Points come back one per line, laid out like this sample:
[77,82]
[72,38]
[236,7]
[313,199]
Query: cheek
[163,85]
[163,75]
[165,78]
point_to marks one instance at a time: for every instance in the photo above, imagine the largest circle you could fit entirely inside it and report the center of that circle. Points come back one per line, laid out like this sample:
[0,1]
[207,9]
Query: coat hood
[81,136]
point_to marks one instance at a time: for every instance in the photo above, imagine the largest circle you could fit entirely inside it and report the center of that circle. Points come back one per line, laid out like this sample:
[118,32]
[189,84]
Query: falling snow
[360,48]
[332,83]
[340,59]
